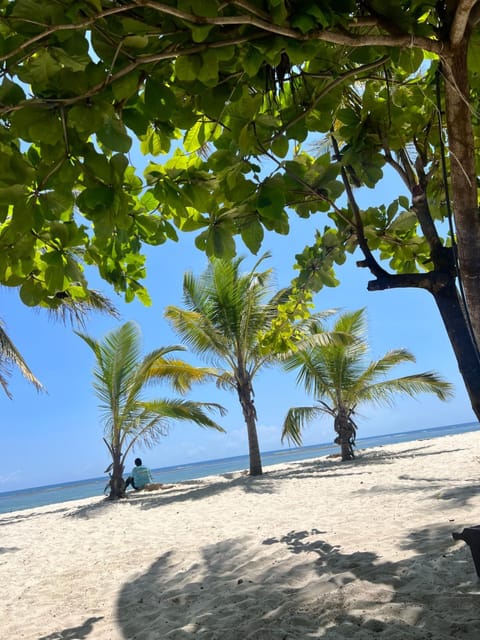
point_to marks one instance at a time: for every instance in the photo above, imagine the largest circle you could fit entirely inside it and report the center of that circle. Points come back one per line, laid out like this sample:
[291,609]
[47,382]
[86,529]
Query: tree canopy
[225,99]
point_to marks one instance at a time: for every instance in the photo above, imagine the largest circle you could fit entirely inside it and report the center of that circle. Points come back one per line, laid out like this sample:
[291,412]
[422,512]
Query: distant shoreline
[91,487]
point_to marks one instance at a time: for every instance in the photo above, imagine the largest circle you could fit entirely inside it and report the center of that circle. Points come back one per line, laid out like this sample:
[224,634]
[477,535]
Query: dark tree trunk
[117,483]
[345,429]
[441,284]
[464,346]
[245,395]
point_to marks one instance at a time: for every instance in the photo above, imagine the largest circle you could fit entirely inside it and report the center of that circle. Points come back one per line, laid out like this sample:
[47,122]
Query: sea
[77,490]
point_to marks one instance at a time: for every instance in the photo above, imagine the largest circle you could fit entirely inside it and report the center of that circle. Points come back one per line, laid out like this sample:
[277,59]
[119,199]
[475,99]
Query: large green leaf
[31,293]
[114,136]
[252,235]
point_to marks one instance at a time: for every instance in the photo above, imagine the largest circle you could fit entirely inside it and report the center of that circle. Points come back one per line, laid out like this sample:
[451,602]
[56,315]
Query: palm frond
[185,411]
[336,369]
[120,378]
[181,375]
[10,356]
[198,332]
[75,312]
[225,310]
[384,392]
[295,421]
[226,380]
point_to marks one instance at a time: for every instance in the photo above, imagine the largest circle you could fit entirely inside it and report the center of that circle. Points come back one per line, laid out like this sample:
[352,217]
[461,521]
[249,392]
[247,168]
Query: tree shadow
[435,491]
[299,586]
[8,549]
[384,454]
[316,468]
[89,510]
[199,489]
[30,515]
[74,633]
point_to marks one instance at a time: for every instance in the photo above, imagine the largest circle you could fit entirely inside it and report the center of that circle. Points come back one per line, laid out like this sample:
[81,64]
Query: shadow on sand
[268,483]
[74,633]
[298,586]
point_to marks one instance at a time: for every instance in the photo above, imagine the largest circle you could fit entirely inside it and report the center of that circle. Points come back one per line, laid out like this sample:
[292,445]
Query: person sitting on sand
[141,476]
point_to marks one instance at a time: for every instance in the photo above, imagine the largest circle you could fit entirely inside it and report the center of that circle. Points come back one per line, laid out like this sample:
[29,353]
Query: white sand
[315,549]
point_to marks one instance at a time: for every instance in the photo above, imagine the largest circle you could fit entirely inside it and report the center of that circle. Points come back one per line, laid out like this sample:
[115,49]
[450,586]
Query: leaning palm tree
[338,375]
[121,375]
[227,313]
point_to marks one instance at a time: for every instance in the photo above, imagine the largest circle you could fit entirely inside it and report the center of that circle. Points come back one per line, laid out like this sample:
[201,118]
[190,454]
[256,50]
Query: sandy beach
[312,549]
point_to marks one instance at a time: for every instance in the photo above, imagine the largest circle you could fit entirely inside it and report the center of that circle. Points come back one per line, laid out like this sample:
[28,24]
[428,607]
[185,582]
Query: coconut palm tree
[226,314]
[338,375]
[121,376]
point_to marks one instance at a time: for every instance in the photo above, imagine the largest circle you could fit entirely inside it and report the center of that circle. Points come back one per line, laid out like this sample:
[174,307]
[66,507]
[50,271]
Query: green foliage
[234,320]
[209,91]
[121,376]
[334,369]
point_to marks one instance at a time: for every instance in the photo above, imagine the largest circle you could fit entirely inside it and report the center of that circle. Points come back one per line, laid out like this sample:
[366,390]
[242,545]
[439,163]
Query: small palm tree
[226,314]
[121,376]
[340,378]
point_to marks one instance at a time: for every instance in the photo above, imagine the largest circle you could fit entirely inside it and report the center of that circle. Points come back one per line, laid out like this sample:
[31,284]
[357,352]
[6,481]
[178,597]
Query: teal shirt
[141,476]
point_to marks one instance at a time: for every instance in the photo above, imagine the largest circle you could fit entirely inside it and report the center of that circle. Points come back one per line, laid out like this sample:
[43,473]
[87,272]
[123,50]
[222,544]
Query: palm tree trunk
[245,395]
[346,434]
[117,483]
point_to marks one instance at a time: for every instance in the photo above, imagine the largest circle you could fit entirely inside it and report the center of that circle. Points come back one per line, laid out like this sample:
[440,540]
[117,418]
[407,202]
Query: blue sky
[56,437]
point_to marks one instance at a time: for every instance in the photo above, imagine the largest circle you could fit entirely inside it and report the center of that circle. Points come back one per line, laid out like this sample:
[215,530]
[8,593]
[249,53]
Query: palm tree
[227,313]
[121,375]
[339,377]
[10,356]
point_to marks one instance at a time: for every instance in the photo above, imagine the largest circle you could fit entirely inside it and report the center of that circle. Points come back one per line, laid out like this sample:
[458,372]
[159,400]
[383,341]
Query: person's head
[138,462]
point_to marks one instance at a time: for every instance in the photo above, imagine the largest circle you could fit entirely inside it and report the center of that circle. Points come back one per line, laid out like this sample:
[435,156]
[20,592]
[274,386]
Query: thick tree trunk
[449,305]
[245,395]
[117,483]
[442,285]
[461,145]
[346,434]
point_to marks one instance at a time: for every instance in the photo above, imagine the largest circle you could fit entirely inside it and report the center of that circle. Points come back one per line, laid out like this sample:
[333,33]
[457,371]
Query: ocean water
[52,494]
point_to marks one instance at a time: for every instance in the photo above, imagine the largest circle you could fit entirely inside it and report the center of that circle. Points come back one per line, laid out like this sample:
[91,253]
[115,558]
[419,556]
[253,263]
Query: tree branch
[405,173]
[370,261]
[345,38]
[474,17]
[248,7]
[138,62]
[265,26]
[65,27]
[431,281]
[460,21]
[335,83]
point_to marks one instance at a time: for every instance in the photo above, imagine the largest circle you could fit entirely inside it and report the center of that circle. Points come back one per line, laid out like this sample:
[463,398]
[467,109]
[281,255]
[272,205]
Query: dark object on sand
[471,535]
